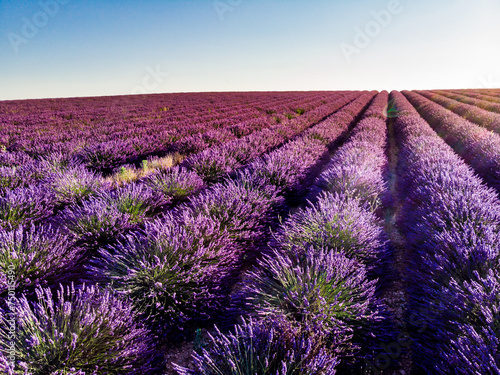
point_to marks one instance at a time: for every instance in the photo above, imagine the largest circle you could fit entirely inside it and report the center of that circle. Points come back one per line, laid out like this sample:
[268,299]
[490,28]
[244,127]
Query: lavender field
[256,233]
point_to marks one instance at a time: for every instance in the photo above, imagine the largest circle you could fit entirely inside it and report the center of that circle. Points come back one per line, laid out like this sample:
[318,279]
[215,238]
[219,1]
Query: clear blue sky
[92,48]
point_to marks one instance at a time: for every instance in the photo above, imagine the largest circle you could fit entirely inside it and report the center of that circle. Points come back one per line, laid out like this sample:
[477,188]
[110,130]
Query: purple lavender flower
[137,201]
[212,164]
[356,170]
[339,223]
[95,221]
[57,161]
[378,107]
[173,273]
[15,159]
[10,179]
[72,185]
[85,330]
[25,205]
[323,291]
[190,145]
[35,256]
[268,346]
[174,184]
[287,166]
[476,348]
[105,156]
[25,175]
[238,206]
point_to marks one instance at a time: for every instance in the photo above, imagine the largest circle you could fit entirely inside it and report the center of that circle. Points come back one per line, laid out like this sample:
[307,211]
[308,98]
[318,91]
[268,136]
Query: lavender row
[451,224]
[143,120]
[470,98]
[63,185]
[217,162]
[311,299]
[479,147]
[112,153]
[471,112]
[357,168]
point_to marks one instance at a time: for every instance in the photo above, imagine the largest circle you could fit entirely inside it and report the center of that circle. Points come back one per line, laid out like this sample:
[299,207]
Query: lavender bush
[136,201]
[242,207]
[322,291]
[74,184]
[105,156]
[22,172]
[174,184]
[79,331]
[336,222]
[57,161]
[10,178]
[25,205]
[212,164]
[261,347]
[173,271]
[35,256]
[96,221]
